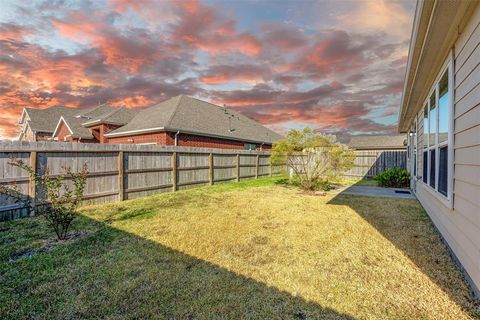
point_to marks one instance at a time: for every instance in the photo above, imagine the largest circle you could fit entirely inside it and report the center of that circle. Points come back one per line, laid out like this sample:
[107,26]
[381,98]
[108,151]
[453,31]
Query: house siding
[460,225]
[184,140]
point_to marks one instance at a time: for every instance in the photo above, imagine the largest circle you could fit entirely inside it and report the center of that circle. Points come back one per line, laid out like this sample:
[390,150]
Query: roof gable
[45,120]
[75,127]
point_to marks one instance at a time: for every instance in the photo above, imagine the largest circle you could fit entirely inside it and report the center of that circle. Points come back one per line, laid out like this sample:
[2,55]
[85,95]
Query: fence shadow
[116,274]
[410,234]
[369,163]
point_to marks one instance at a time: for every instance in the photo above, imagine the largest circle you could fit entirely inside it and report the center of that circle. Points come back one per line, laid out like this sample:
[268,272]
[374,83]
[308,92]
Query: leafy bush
[59,201]
[394,178]
[312,159]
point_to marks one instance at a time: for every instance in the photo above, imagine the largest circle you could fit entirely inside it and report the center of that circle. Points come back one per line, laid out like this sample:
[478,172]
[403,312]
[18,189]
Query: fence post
[174,171]
[210,168]
[32,188]
[121,190]
[256,167]
[271,171]
[238,167]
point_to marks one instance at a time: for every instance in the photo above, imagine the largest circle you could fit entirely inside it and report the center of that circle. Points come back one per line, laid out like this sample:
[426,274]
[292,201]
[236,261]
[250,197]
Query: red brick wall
[62,132]
[162,138]
[185,140]
[99,131]
[43,136]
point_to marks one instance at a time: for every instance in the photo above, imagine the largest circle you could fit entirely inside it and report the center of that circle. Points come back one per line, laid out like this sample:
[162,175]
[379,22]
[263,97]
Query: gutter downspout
[176,138]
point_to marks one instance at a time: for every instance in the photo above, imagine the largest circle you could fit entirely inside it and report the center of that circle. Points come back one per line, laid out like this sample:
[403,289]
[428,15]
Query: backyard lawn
[252,250]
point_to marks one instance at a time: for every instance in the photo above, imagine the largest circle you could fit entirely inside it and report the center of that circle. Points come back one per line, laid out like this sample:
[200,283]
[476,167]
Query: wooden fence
[369,163]
[121,172]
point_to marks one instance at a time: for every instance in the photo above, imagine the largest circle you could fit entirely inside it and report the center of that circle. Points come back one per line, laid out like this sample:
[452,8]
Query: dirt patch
[22,254]
[47,245]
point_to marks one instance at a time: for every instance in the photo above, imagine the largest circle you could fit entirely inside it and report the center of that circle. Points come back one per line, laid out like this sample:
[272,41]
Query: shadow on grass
[115,274]
[410,230]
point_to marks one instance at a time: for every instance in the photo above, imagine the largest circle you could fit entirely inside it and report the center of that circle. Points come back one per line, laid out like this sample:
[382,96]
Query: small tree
[312,159]
[59,199]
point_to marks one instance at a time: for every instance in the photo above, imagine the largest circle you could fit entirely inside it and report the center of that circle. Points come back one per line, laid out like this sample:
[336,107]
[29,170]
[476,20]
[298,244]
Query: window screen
[443,171]
[425,165]
[432,168]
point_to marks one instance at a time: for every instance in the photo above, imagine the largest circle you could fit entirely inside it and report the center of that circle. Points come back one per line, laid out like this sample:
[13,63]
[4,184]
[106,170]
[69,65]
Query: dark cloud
[138,54]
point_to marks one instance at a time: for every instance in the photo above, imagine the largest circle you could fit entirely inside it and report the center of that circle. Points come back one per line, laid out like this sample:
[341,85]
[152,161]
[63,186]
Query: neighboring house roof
[45,120]
[96,112]
[378,142]
[436,26]
[117,116]
[74,125]
[190,115]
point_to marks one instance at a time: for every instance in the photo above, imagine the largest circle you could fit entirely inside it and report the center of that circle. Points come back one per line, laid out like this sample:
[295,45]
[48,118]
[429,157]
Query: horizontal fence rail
[122,172]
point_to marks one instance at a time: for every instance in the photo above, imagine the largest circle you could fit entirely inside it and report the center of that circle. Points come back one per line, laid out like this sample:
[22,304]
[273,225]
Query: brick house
[180,121]
[39,124]
[91,125]
[186,121]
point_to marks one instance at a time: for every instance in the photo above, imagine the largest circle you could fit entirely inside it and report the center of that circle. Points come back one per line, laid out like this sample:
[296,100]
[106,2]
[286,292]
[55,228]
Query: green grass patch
[248,250]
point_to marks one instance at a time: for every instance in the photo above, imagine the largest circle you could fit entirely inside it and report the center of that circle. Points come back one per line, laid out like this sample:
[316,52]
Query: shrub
[58,199]
[312,159]
[394,178]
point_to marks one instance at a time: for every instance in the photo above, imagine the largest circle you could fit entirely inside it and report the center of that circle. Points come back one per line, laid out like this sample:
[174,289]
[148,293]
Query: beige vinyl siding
[460,226]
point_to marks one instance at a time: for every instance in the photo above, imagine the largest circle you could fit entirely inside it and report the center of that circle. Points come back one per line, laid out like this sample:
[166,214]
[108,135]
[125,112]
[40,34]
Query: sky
[335,66]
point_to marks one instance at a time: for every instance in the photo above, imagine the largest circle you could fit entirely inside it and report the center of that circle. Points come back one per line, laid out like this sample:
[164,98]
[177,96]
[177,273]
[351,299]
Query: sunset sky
[336,66]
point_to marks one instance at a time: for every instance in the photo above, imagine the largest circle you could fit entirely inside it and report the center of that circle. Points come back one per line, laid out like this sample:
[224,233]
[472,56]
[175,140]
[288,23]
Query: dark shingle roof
[78,131]
[118,116]
[45,120]
[96,112]
[377,142]
[190,115]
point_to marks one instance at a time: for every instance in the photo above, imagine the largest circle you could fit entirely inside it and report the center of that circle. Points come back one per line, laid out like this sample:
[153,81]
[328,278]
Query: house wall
[42,136]
[62,133]
[99,131]
[184,140]
[39,136]
[459,223]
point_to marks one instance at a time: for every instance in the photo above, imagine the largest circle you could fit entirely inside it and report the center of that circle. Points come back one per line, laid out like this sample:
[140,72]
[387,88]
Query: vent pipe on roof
[176,138]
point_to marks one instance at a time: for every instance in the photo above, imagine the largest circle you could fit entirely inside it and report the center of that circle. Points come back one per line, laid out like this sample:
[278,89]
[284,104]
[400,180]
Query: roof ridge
[109,113]
[93,109]
[180,97]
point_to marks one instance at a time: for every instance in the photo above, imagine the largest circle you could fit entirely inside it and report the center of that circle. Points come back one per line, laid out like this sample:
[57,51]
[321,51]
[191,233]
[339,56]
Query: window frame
[446,68]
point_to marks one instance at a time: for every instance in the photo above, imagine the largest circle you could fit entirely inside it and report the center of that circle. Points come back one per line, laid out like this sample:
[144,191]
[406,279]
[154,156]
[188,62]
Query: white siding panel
[460,226]
[464,44]
[468,191]
[469,155]
[467,120]
[467,173]
[468,102]
[471,83]
[469,209]
[452,225]
[468,138]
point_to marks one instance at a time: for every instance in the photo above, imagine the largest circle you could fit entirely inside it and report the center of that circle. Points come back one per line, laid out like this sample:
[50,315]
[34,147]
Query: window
[415,145]
[250,146]
[436,134]
[425,144]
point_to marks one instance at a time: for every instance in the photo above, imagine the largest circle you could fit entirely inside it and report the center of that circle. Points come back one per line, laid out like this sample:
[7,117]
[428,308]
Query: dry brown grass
[251,252]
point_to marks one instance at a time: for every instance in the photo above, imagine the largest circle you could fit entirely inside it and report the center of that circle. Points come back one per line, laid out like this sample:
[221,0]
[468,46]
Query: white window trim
[447,200]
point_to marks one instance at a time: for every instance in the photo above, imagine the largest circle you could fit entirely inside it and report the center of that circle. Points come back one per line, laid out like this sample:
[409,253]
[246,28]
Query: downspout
[176,138]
